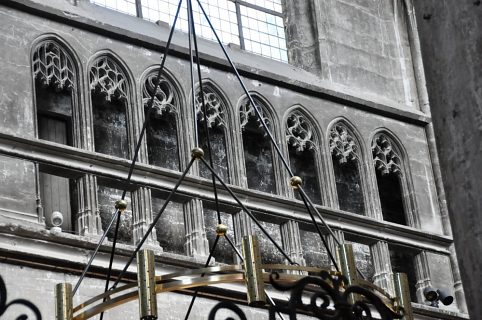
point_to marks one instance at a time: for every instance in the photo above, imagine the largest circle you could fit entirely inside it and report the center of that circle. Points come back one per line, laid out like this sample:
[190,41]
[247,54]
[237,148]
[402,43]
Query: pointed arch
[162,138]
[346,151]
[111,101]
[258,154]
[393,178]
[304,146]
[218,120]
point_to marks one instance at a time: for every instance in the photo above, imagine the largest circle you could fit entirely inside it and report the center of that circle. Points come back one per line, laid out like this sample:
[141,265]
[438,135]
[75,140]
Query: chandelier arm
[203,106]
[89,263]
[330,254]
[240,256]
[249,213]
[154,222]
[211,252]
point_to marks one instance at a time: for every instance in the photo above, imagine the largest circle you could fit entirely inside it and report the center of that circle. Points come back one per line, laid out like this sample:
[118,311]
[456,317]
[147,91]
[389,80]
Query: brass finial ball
[295,182]
[197,153]
[121,205]
[221,230]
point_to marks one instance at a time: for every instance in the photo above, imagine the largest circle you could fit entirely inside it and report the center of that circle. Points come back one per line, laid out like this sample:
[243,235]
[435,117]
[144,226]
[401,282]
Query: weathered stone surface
[451,41]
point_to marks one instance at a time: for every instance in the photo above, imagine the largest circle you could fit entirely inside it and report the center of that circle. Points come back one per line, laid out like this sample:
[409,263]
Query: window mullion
[240,25]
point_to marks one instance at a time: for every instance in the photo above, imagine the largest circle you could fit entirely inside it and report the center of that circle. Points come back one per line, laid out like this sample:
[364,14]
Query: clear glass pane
[124,6]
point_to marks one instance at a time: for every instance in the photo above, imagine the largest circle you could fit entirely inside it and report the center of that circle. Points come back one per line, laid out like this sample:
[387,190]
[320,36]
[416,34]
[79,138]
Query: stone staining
[107,197]
[108,86]
[363,260]
[170,229]
[161,133]
[346,162]
[258,155]
[314,251]
[223,253]
[269,253]
[54,75]
[388,173]
[302,148]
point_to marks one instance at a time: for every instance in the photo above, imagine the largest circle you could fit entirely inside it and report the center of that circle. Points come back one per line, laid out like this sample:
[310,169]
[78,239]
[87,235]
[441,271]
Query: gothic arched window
[55,89]
[216,123]
[302,146]
[161,133]
[110,99]
[389,174]
[345,156]
[258,155]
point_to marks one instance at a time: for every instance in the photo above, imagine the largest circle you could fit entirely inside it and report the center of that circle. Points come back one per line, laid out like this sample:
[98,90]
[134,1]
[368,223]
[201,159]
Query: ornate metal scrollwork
[229,306]
[215,108]
[246,111]
[107,77]
[165,99]
[329,299]
[342,145]
[52,65]
[386,159]
[299,132]
[4,305]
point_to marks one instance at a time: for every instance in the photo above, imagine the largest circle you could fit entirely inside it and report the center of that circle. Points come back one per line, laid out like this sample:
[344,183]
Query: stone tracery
[246,111]
[165,99]
[299,132]
[342,144]
[215,108]
[385,157]
[52,65]
[107,77]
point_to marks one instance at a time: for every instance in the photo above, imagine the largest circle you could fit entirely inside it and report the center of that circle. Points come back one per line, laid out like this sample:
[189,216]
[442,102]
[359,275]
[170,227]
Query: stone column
[243,227]
[290,235]
[88,218]
[196,241]
[423,274]
[142,217]
[458,288]
[383,267]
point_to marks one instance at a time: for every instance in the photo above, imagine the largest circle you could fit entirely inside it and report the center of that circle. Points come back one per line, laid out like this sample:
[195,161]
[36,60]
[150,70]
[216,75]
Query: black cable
[250,214]
[153,223]
[211,252]
[203,107]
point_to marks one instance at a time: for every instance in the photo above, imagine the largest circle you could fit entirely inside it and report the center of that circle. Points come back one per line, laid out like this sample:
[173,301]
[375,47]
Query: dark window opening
[219,155]
[58,193]
[54,114]
[258,158]
[402,260]
[170,229]
[349,186]
[390,192]
[224,252]
[107,195]
[162,141]
[110,126]
[304,165]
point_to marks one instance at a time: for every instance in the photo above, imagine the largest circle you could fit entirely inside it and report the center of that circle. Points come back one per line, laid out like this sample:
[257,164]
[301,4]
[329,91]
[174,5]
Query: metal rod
[89,263]
[203,106]
[158,216]
[330,254]
[248,212]
[111,260]
[190,22]
[211,252]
